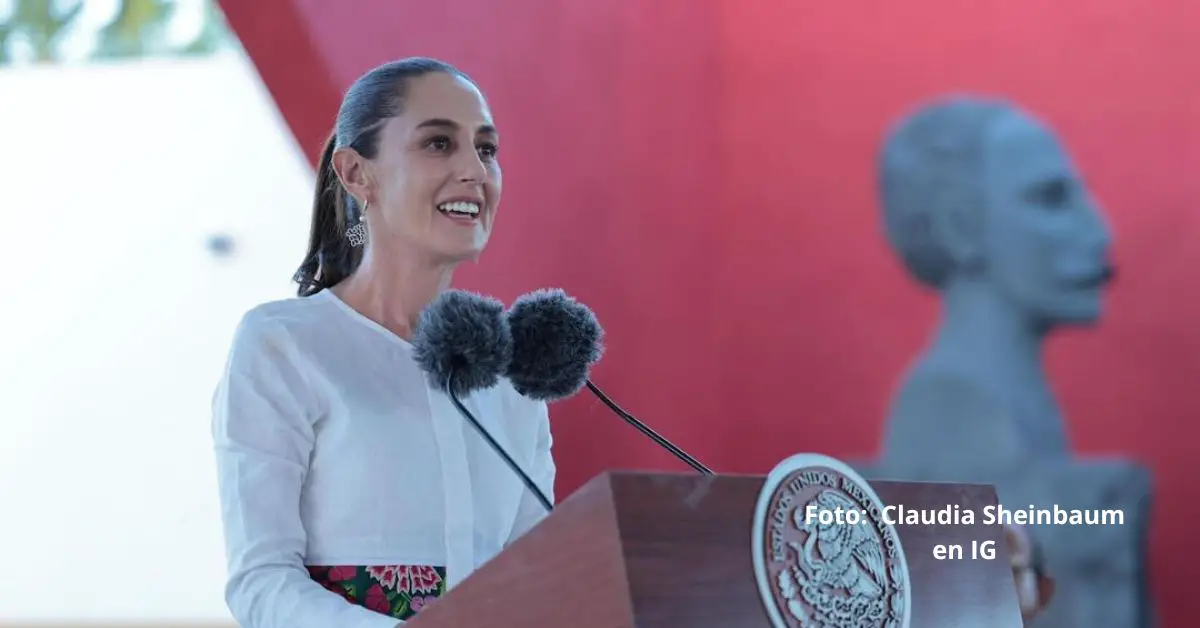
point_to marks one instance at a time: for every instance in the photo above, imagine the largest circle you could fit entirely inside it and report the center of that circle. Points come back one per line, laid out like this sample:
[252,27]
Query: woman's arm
[542,471]
[263,435]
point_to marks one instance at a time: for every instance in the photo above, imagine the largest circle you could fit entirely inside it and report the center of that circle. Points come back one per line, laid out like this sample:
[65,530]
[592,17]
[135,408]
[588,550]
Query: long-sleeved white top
[332,449]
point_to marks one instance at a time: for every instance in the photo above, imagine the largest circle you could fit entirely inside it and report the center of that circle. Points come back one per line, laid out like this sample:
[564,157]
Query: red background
[700,172]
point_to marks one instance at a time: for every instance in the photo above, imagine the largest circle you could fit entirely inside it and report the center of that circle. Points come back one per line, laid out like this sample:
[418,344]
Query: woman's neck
[392,290]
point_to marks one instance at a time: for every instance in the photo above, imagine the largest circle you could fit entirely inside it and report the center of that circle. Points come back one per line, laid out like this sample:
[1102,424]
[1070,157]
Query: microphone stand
[651,434]
[512,464]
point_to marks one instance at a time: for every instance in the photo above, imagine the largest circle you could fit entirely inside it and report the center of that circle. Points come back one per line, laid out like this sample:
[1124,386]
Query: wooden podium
[651,550]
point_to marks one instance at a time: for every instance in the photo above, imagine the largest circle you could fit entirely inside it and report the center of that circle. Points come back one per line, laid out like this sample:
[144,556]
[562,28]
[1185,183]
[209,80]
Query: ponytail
[330,258]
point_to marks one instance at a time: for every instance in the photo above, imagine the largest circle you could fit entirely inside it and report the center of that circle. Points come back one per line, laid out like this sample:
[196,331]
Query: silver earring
[357,233]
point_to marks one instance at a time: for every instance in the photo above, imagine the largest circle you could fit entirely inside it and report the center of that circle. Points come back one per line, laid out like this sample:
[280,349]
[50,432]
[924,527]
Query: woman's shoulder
[278,319]
[287,311]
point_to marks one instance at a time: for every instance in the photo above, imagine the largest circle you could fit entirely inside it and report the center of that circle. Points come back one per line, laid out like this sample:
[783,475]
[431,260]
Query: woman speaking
[352,492]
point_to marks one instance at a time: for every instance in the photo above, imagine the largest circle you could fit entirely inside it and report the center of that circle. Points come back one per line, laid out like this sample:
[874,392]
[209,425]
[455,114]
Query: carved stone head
[975,189]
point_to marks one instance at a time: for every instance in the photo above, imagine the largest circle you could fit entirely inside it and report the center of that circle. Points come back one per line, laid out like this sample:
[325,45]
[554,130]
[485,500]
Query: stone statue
[982,203]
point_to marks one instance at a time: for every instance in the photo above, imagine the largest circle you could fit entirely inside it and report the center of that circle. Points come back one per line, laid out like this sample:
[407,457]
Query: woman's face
[434,184]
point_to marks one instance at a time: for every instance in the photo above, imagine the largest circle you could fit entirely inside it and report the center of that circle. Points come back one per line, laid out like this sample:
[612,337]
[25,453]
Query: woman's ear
[354,171]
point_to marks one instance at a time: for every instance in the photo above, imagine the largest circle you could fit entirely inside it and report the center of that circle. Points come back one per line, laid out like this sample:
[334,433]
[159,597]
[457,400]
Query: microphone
[556,340]
[463,343]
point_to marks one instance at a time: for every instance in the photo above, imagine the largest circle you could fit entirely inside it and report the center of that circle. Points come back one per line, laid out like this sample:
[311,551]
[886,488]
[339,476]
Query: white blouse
[332,449]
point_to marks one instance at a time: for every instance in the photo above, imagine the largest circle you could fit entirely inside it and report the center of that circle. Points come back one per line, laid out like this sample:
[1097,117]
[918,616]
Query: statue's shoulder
[938,408]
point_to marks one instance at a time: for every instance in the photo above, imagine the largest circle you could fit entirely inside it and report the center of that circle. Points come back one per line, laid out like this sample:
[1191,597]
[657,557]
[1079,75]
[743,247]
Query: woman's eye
[487,150]
[440,144]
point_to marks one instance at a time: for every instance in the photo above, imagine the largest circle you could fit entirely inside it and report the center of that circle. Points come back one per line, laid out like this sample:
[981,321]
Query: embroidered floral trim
[399,591]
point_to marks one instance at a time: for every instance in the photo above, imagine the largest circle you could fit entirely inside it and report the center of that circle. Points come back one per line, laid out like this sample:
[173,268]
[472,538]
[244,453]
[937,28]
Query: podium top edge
[658,473]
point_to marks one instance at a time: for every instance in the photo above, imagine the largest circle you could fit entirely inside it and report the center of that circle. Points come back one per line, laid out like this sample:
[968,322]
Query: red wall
[701,174]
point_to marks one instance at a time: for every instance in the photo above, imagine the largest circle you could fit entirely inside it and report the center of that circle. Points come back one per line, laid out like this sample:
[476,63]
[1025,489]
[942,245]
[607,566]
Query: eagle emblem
[823,555]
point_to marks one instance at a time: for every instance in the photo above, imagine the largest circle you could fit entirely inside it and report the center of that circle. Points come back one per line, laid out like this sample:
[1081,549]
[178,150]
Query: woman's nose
[472,169]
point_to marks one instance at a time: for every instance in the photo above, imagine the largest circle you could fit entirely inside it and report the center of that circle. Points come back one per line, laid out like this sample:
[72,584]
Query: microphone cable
[646,430]
[512,464]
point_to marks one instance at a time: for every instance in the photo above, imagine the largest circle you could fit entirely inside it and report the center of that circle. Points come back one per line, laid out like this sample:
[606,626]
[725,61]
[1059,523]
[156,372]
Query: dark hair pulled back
[374,98]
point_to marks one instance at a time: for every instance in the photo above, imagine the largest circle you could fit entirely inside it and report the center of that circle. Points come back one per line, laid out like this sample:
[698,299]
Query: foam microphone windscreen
[556,340]
[463,342]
